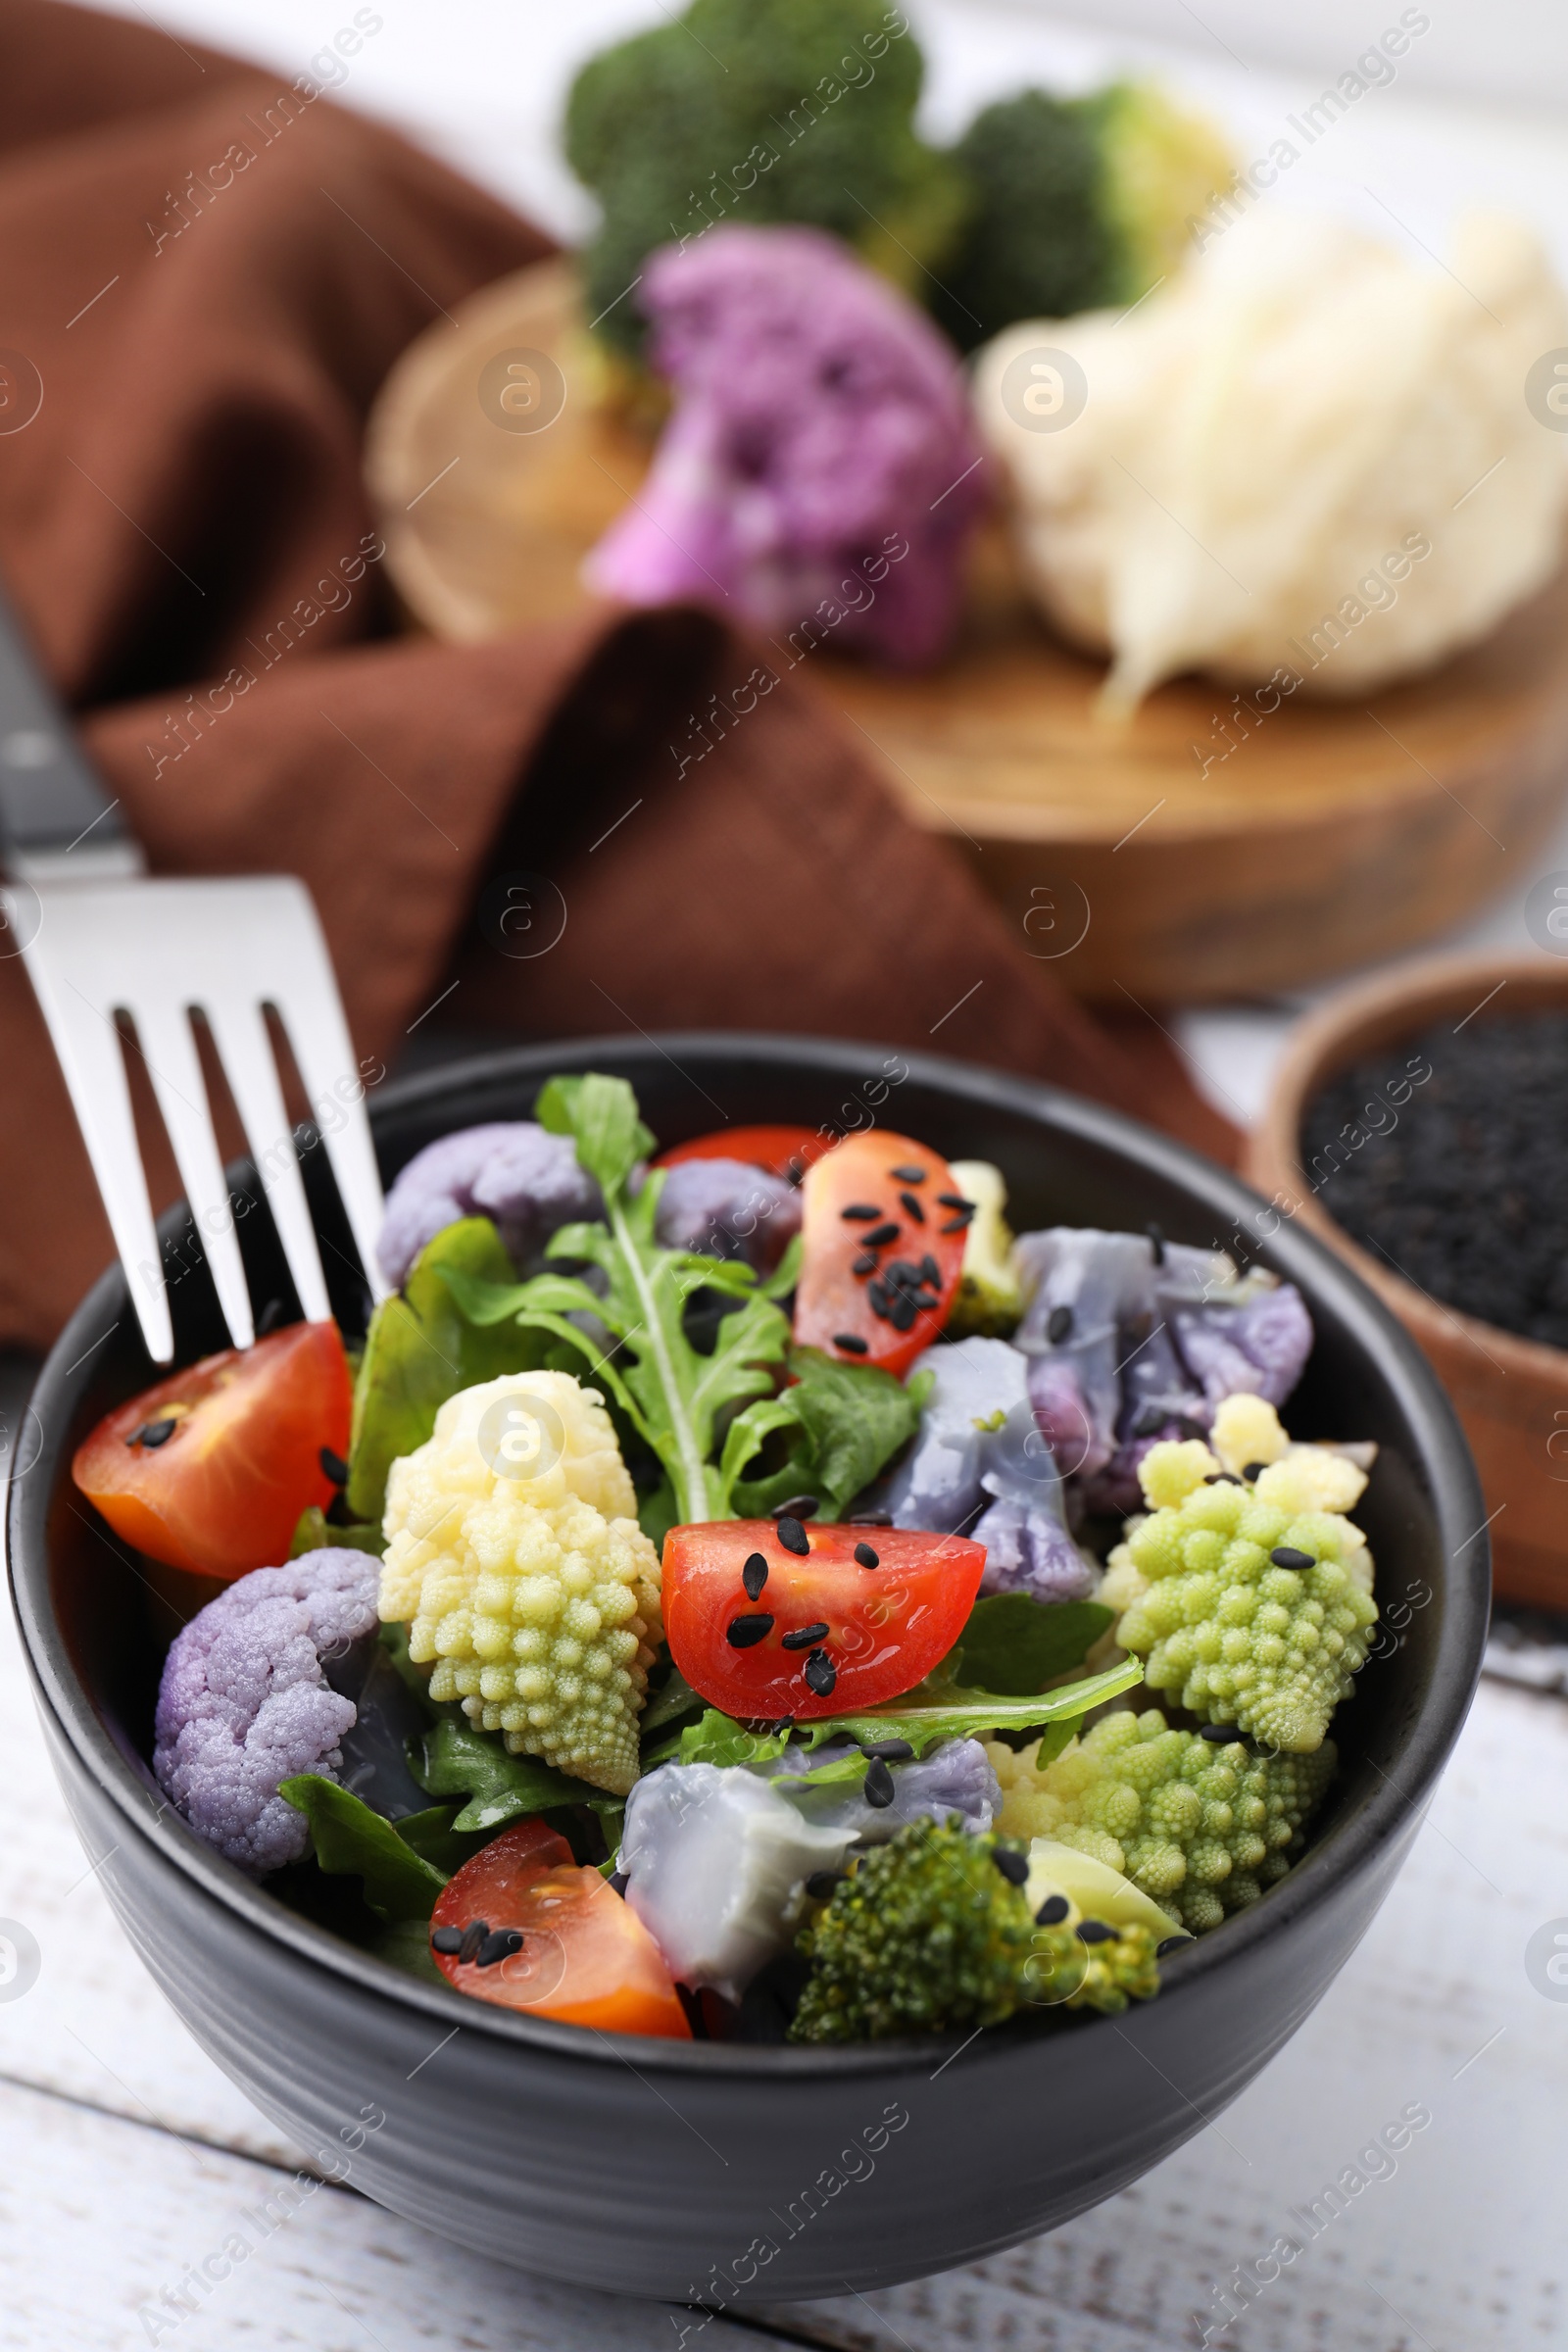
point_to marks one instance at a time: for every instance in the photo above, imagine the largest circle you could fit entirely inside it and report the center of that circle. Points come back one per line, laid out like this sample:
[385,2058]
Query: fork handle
[53,807]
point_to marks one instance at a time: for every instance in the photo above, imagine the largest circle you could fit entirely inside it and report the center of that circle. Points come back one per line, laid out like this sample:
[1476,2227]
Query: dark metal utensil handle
[53,806]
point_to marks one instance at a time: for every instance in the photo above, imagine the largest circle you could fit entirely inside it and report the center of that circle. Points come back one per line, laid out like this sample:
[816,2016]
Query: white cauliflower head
[1293,458]
[515,1556]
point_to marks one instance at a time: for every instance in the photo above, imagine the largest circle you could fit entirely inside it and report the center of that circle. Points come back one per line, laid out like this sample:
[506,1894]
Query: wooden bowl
[1510,1393]
[1190,854]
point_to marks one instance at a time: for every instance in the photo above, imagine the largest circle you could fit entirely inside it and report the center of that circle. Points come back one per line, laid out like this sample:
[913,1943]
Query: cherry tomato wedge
[761,1629]
[579,1954]
[211,1469]
[883,1230]
[782,1150]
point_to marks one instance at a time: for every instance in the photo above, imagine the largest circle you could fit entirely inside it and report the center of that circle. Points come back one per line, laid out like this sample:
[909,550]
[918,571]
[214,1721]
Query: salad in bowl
[744,1592]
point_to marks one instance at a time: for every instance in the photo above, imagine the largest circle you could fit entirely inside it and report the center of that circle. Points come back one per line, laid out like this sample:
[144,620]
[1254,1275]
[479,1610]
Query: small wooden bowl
[1510,1393]
[1144,860]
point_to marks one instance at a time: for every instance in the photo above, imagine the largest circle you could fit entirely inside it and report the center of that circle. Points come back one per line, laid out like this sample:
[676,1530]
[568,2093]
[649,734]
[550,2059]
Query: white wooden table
[127,2157]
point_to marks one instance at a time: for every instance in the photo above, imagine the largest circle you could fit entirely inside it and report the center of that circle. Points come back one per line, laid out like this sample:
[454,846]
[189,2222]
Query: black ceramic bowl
[713,2172]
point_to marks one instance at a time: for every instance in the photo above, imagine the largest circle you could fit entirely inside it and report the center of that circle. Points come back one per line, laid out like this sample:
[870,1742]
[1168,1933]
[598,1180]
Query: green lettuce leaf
[849,1419]
[457,1761]
[420,1350]
[1014,1645]
[399,1883]
[717,1739]
[673,1394]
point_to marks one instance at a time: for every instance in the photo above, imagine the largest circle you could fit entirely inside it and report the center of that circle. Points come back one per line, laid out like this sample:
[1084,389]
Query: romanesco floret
[927,1934]
[1202,1828]
[1253,1614]
[536,1595]
[1103,1975]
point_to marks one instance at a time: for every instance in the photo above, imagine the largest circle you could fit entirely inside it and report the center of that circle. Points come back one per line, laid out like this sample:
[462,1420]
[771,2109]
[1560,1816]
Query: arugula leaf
[1015,1645]
[420,1350]
[457,1760]
[719,1740]
[924,1715]
[852,1418]
[348,1836]
[672,1395]
[668,1704]
[406,1944]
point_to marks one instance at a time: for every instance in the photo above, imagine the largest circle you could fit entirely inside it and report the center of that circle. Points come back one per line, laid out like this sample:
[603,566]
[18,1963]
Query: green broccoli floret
[759,110]
[1202,1828]
[1077,204]
[989,1298]
[931,1932]
[1249,1615]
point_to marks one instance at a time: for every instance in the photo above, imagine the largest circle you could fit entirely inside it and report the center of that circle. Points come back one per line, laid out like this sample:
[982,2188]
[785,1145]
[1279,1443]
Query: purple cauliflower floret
[954,1777]
[725,1208]
[245,1701]
[516,1173]
[819,471]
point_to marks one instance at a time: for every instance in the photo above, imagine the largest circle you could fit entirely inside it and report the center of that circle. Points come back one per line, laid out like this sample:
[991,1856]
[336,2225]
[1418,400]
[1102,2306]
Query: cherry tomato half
[884,1226]
[211,1469]
[582,1956]
[863,1615]
[782,1150]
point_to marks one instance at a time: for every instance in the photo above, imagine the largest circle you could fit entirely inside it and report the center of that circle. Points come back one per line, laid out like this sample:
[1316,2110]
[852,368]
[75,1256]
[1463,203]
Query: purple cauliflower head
[245,1701]
[516,1173]
[819,472]
[725,1208]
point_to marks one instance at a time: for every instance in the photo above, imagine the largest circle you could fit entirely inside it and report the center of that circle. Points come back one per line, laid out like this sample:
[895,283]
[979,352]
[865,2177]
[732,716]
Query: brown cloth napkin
[206,271]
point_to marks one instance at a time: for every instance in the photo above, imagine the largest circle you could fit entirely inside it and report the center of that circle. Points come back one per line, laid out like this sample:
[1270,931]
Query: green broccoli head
[1249,1615]
[1202,1828]
[928,1933]
[759,110]
[1076,204]
[1104,1974]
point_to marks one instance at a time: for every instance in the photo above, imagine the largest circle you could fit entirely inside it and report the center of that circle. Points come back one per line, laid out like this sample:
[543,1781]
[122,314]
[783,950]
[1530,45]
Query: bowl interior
[96,1625]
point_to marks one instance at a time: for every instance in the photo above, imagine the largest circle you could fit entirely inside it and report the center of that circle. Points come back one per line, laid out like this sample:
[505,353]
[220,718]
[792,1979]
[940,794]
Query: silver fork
[101,941]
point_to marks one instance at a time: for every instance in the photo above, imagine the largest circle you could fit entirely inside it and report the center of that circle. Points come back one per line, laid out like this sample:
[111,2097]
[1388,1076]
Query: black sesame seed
[1222,1478]
[863,1212]
[891,1751]
[955,1200]
[1052,1911]
[744,1633]
[912,1207]
[1172,1944]
[1060,1325]
[954,1225]
[850,1342]
[474,1934]
[1095,1931]
[869,1519]
[156,1433]
[753,1576]
[821,1883]
[880,1299]
[902,1315]
[1222,1733]
[867,1557]
[445,1939]
[820,1674]
[878,1786]
[1014,1868]
[867,1263]
[1252,1471]
[1157,1244]
[798,1506]
[333,1466]
[930,1272]
[499,1944]
[880,1236]
[1286,1556]
[804,1635]
[793,1535]
[909,1175]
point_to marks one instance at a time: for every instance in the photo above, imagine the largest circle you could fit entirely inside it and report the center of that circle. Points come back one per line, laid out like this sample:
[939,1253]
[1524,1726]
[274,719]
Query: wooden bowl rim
[1367,1015]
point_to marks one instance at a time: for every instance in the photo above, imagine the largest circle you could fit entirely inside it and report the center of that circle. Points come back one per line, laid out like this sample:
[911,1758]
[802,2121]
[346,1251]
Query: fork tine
[239,1032]
[164,1033]
[88,1046]
[311,1013]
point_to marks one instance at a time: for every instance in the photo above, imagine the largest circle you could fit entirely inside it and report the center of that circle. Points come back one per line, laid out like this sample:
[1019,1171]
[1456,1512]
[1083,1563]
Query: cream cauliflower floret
[1255,1612]
[535,1595]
